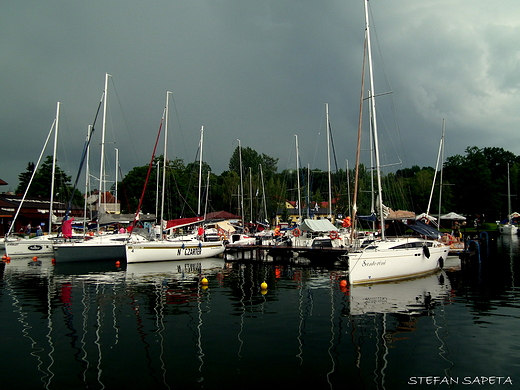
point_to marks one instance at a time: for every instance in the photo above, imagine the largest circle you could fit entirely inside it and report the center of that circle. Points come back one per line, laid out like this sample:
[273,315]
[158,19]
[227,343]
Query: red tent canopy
[180,222]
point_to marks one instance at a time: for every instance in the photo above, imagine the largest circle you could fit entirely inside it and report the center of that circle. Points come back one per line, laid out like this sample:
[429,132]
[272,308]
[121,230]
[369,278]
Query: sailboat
[40,245]
[182,248]
[387,259]
[102,246]
[509,227]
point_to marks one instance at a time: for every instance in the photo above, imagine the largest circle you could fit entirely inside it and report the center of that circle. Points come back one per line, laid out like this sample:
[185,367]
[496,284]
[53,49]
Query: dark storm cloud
[259,71]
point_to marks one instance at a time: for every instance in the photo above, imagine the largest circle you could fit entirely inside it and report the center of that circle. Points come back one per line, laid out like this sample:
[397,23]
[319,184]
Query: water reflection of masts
[159,325]
[49,333]
[47,373]
[383,337]
[86,308]
[444,351]
[301,323]
[97,341]
[332,333]
[199,327]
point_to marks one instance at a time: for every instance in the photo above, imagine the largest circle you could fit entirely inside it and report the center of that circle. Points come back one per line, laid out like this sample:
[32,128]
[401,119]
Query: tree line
[473,184]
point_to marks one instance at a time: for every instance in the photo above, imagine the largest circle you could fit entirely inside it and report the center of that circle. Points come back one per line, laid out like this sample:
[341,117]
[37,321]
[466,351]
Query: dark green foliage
[42,182]
[473,184]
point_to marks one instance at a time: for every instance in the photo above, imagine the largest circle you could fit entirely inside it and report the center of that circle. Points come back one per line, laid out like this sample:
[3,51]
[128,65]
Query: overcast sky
[259,71]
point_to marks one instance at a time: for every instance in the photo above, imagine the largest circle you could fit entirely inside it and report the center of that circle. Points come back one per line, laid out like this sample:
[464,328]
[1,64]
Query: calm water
[154,326]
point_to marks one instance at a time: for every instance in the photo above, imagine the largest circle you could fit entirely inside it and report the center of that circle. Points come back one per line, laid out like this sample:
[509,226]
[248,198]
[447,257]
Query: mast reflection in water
[155,325]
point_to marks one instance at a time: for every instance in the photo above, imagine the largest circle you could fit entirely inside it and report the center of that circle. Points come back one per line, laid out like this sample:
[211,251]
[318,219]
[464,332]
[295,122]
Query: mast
[207,196]
[102,162]
[328,159]
[442,170]
[298,177]
[30,180]
[157,189]
[117,178]
[251,194]
[509,209]
[308,208]
[374,125]
[165,157]
[263,192]
[87,179]
[358,149]
[54,164]
[200,168]
[241,192]
[441,146]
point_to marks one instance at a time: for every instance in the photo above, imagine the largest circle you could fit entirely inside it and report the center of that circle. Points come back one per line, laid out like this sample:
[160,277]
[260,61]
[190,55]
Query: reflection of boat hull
[508,229]
[408,296]
[168,250]
[396,259]
[181,269]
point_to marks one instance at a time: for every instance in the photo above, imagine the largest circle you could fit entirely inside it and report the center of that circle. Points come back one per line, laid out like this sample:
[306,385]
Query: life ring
[296,232]
[334,235]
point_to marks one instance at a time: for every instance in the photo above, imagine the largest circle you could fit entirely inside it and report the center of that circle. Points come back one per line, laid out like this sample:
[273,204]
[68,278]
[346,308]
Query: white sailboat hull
[29,247]
[396,259]
[171,250]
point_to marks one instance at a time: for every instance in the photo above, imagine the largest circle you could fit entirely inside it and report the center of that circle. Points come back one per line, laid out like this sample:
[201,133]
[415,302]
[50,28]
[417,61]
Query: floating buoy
[263,286]
[343,283]
[204,281]
[35,258]
[53,261]
[4,257]
[118,263]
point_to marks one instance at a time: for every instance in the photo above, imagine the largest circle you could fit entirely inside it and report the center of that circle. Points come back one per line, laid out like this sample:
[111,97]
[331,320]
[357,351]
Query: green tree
[42,183]
[24,178]
[251,159]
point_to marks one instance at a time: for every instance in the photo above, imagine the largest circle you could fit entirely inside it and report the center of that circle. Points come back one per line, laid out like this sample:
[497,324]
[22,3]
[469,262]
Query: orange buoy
[118,263]
[53,261]
[4,257]
[343,283]
[35,258]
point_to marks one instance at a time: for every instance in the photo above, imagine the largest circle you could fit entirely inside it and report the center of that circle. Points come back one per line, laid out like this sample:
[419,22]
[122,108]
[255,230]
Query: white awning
[453,216]
[317,225]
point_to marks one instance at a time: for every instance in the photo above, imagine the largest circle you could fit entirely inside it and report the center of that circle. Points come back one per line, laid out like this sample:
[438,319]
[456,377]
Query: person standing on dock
[456,231]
